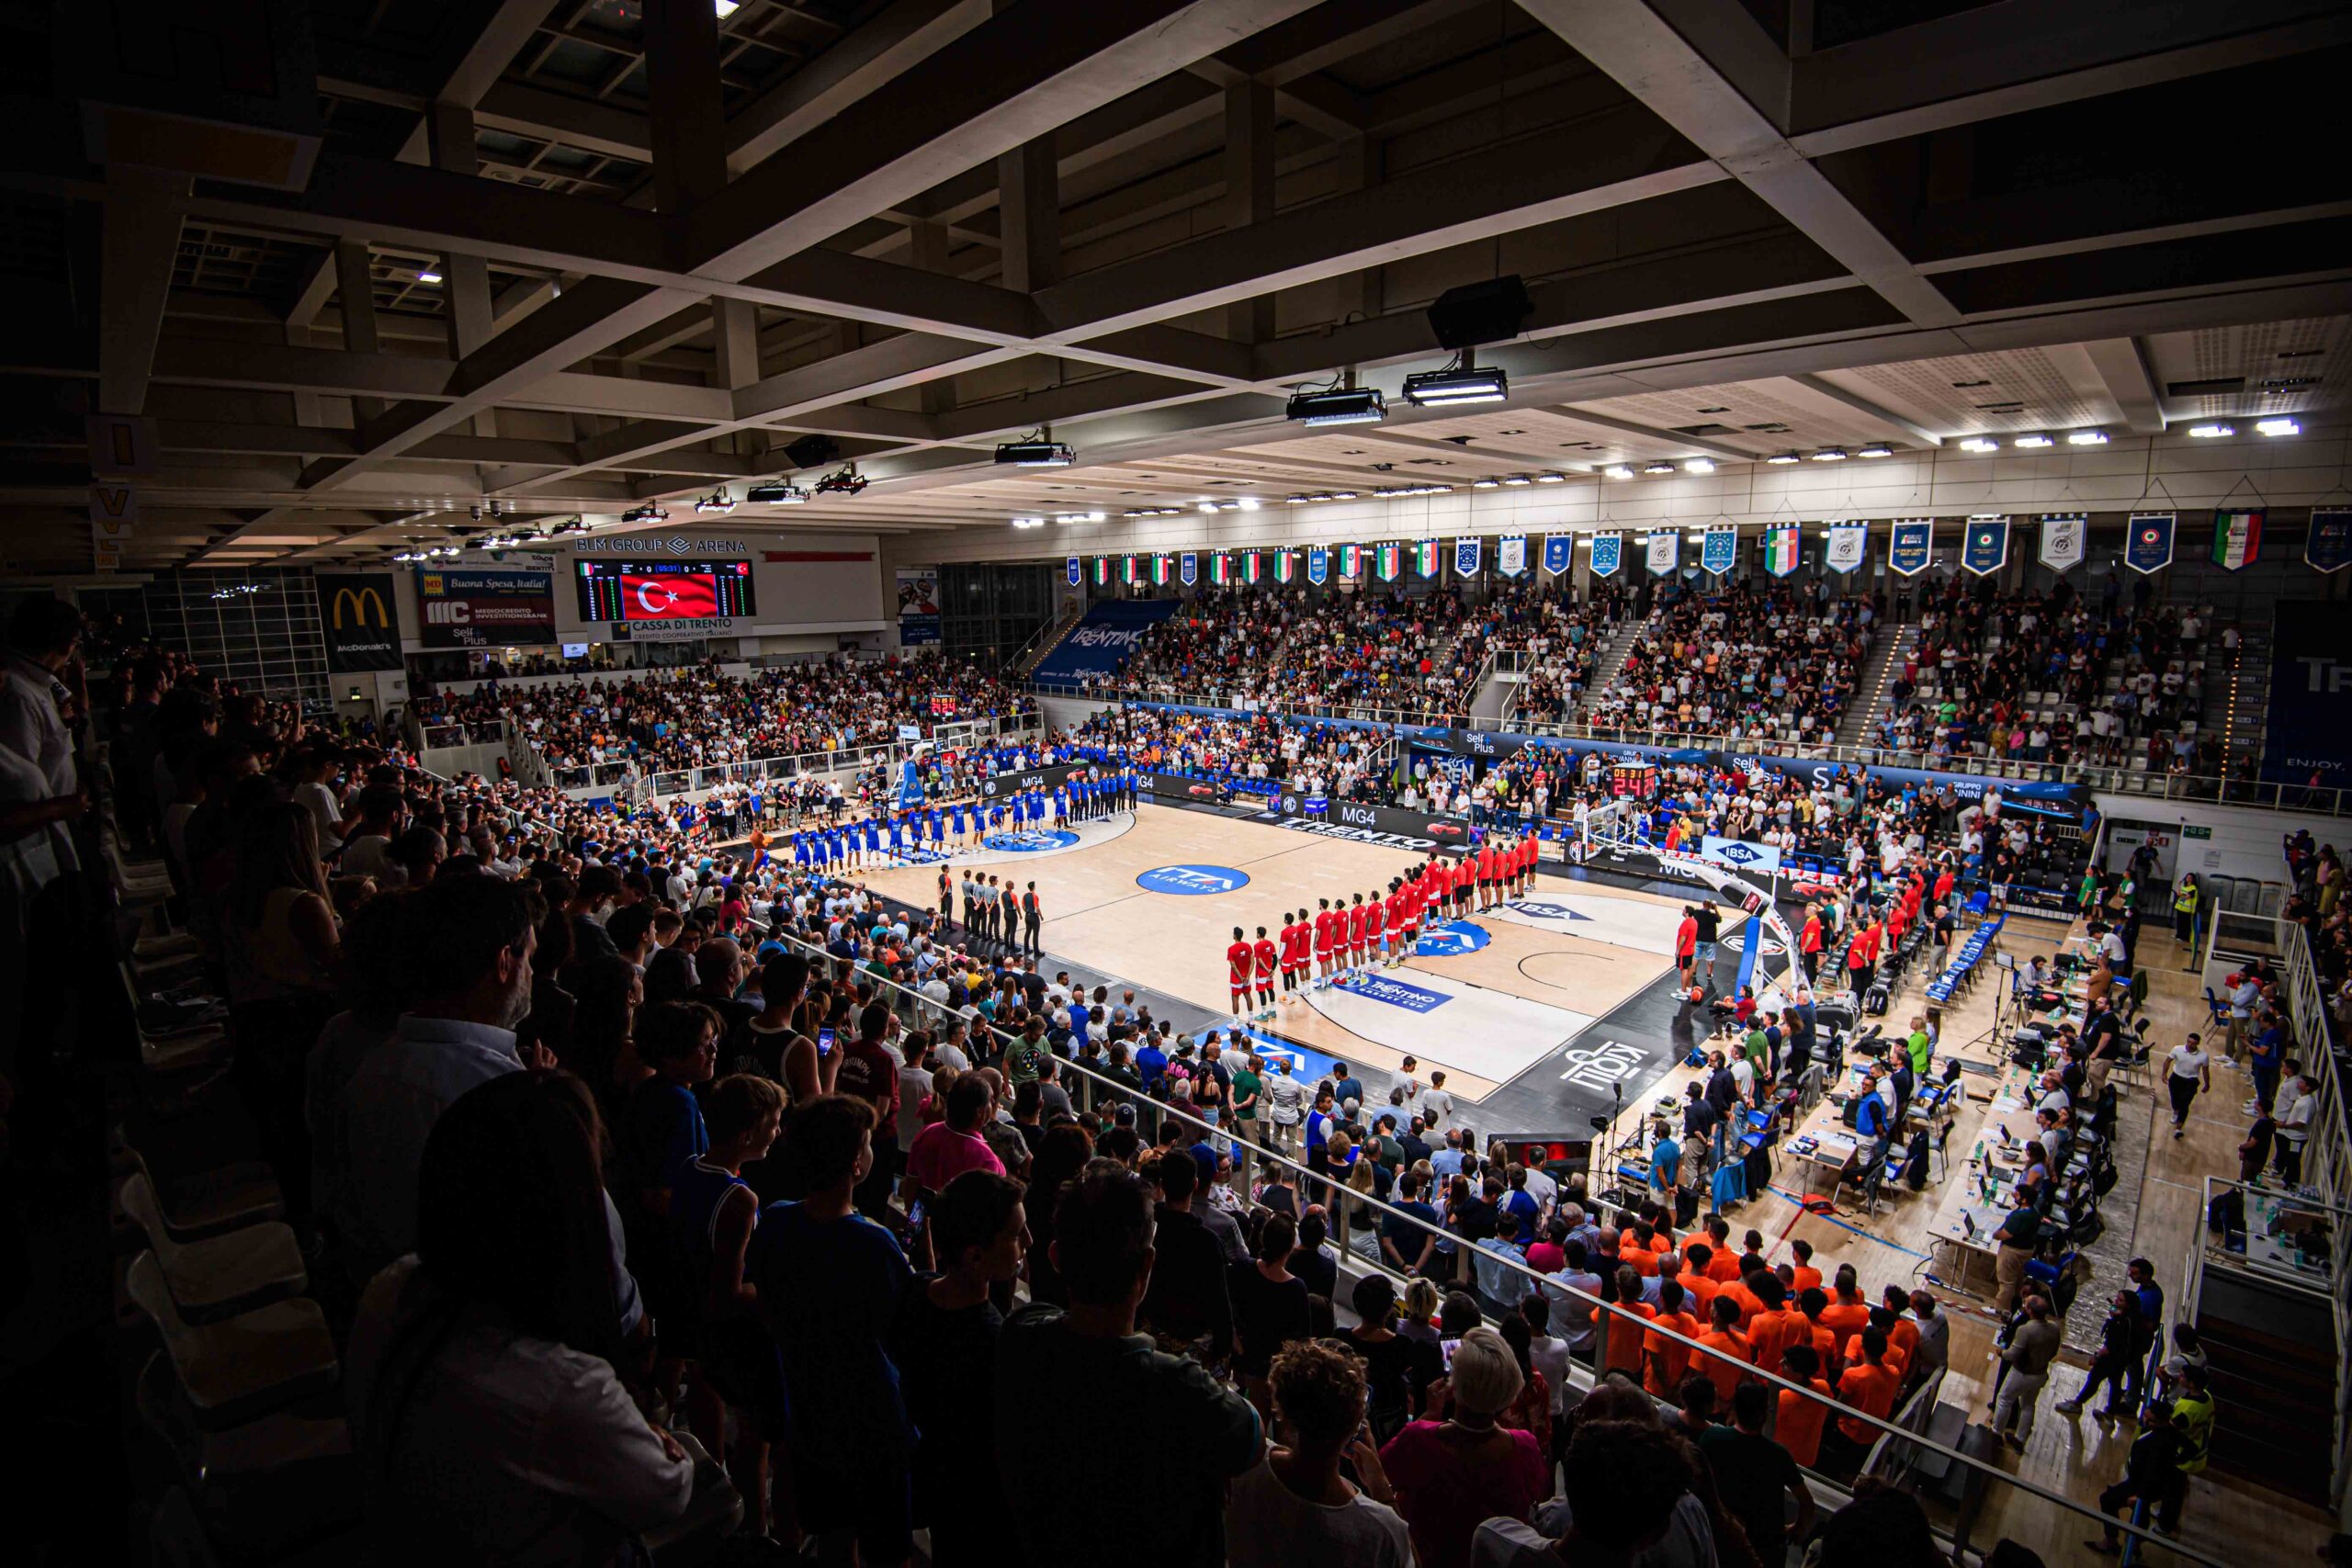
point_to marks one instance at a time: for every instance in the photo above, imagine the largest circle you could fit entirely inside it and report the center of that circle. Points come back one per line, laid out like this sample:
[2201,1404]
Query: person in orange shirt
[1666,1361]
[1898,1360]
[1695,1282]
[1723,1267]
[1738,1293]
[1634,1249]
[1715,1238]
[1868,1386]
[1626,1336]
[1802,1419]
[1806,1276]
[1731,1359]
[1773,1328]
[1811,1304]
[1848,1312]
[1903,1338]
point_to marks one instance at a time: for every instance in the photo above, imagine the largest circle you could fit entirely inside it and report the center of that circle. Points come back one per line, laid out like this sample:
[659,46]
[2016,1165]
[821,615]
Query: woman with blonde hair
[1457,1466]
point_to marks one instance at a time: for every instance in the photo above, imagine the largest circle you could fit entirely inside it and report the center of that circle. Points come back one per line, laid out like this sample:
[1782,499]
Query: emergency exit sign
[2188,833]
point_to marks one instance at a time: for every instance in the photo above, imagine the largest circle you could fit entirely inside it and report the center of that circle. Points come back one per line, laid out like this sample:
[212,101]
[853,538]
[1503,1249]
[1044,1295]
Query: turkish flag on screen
[647,597]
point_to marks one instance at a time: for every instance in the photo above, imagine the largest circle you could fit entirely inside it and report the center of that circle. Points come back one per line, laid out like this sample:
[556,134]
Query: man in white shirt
[1435,1105]
[2188,1070]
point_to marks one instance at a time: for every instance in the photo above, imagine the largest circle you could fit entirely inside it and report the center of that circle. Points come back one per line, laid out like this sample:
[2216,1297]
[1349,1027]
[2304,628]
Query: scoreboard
[664,591]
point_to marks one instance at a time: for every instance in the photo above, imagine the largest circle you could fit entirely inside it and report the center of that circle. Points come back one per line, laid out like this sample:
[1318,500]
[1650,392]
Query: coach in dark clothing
[1187,1299]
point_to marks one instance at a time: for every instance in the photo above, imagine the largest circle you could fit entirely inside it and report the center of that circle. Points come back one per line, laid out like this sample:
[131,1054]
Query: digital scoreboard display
[665,591]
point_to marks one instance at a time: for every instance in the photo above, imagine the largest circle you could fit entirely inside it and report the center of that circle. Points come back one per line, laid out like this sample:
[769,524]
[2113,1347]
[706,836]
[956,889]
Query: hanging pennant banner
[1911,546]
[1783,548]
[1131,569]
[1466,554]
[1665,551]
[1510,555]
[1426,557]
[1077,571]
[1847,542]
[1719,550]
[2065,537]
[1102,571]
[1188,568]
[2329,547]
[2147,543]
[1285,566]
[1559,553]
[1985,547]
[1351,563]
[1608,554]
[1389,561]
[1221,570]
[1163,568]
[1318,564]
[1253,565]
[2238,539]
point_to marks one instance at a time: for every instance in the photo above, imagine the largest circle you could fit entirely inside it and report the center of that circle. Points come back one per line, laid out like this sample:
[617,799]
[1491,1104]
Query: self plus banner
[362,627]
[2307,734]
[485,609]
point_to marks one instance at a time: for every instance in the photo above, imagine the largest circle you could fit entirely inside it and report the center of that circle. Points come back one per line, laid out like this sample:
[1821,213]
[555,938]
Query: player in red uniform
[1239,962]
[1398,900]
[1323,942]
[1289,945]
[1263,951]
[1362,921]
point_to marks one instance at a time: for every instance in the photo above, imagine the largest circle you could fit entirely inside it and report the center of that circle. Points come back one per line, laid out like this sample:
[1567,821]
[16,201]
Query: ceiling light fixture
[1657,466]
[1830,454]
[2279,426]
[843,480]
[1028,521]
[2087,438]
[1035,452]
[1979,444]
[647,513]
[1515,481]
[1699,466]
[1875,449]
[426,274]
[2034,443]
[1551,479]
[1779,459]
[718,503]
[777,493]
[726,9]
[1338,405]
[2211,432]
[1618,471]
[1461,382]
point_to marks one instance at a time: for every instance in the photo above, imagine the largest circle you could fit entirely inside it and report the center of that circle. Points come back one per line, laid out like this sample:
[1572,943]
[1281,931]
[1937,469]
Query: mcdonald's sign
[360,620]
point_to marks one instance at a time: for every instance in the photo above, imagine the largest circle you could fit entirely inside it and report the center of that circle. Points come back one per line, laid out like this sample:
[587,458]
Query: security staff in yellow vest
[2183,909]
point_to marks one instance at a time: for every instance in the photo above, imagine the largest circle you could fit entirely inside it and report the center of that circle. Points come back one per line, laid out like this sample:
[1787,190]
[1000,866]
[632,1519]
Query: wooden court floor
[1484,1016]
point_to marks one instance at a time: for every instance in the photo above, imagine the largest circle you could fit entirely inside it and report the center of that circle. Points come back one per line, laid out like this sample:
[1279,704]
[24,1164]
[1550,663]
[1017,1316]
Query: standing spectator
[2187,1070]
[480,1374]
[852,1444]
[2294,1129]
[1078,1384]
[1187,1302]
[869,1072]
[2031,1349]
[1451,1474]
[2116,1337]
[1628,1499]
[1755,1477]
[944,1346]
[1269,1307]
[1295,1506]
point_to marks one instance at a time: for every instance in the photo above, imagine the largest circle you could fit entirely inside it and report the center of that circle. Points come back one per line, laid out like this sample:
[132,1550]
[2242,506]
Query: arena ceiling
[405,259]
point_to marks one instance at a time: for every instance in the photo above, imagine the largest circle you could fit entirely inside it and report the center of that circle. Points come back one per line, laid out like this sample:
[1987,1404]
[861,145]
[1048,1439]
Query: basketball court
[1505,1000]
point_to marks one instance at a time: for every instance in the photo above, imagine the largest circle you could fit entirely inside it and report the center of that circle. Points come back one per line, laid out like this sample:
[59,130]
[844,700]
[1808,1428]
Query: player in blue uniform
[873,840]
[800,849]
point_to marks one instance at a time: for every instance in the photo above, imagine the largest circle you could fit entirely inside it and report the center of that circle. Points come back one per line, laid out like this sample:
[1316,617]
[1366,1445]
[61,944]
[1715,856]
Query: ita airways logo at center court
[1190,881]
[1451,940]
[1031,843]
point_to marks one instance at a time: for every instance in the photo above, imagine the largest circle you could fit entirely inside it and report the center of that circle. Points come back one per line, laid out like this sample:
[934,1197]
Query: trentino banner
[2066,537]
[361,620]
[1608,554]
[1559,553]
[1511,556]
[2329,547]
[1783,548]
[1663,551]
[2147,542]
[1985,547]
[1719,549]
[1911,546]
[2237,537]
[1847,541]
[2307,733]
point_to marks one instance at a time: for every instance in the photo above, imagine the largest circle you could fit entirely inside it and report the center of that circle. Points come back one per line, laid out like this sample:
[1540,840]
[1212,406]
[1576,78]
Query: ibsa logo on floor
[1190,881]
[1536,909]
[1451,940]
[1030,843]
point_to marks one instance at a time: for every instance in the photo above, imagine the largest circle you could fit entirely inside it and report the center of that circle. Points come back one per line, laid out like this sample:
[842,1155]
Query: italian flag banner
[1351,562]
[1130,569]
[1253,565]
[2237,539]
[1285,566]
[1388,561]
[1425,558]
[1221,569]
[1781,549]
[1163,568]
[1102,571]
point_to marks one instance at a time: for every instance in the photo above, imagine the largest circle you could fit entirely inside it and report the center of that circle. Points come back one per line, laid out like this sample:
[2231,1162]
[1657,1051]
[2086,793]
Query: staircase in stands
[1025,663]
[1880,667]
[2236,696]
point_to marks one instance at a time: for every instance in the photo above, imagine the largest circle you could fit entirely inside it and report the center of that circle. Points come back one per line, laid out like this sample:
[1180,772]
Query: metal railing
[461,732]
[1895,1444]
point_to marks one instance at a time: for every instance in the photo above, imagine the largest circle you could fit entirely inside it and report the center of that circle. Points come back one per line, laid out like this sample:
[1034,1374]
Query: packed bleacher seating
[700,718]
[2052,677]
[1259,755]
[1757,664]
[1560,639]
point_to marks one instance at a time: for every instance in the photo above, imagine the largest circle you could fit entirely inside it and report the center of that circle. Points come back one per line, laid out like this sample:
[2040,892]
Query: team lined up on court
[933,832]
[1341,943]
